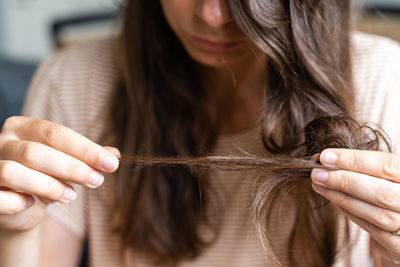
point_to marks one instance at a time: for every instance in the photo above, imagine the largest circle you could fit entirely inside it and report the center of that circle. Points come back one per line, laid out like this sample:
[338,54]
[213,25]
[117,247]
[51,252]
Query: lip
[214,46]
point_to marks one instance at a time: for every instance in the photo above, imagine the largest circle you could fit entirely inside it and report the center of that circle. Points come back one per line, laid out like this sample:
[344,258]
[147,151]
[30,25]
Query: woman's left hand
[366,186]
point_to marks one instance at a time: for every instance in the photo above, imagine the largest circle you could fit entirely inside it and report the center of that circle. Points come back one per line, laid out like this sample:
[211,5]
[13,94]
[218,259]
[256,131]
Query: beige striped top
[73,88]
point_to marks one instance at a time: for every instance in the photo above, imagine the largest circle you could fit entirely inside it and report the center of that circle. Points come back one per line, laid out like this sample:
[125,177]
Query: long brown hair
[161,109]
[282,172]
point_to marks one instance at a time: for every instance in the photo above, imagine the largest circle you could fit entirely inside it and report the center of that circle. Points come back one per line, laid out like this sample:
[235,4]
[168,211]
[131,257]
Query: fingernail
[69,195]
[328,157]
[115,151]
[315,157]
[319,175]
[109,163]
[29,202]
[318,188]
[95,179]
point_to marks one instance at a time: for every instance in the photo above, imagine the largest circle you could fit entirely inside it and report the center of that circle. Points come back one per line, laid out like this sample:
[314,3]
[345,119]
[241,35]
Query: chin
[214,59]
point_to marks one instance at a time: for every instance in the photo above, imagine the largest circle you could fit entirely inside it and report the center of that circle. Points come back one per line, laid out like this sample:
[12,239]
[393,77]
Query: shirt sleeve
[43,102]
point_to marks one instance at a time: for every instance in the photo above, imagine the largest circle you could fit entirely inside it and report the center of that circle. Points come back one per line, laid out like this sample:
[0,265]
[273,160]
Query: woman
[197,77]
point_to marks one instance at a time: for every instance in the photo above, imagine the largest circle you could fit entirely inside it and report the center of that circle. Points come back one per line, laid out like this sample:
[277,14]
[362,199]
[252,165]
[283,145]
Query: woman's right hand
[37,158]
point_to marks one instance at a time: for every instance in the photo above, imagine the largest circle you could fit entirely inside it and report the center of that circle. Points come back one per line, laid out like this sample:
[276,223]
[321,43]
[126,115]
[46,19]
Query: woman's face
[207,31]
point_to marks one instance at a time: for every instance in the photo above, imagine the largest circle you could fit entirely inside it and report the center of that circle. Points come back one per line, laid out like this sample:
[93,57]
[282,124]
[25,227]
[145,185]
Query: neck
[237,93]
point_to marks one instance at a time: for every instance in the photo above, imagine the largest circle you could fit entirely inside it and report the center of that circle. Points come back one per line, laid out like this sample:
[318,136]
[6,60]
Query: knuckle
[51,134]
[342,200]
[352,161]
[7,170]
[9,123]
[344,182]
[73,170]
[391,165]
[386,197]
[27,152]
[385,218]
[86,153]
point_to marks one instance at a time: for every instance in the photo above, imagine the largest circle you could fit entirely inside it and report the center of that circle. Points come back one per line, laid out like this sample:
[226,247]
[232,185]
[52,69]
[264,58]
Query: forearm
[20,249]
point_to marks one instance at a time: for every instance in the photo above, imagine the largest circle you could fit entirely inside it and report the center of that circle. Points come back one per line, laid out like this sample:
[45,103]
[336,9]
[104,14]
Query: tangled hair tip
[282,172]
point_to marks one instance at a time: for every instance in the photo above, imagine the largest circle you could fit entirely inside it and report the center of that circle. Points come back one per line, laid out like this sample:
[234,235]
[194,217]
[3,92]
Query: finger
[22,179]
[374,163]
[382,255]
[385,219]
[63,139]
[12,202]
[376,191]
[375,252]
[113,150]
[5,188]
[388,240]
[52,162]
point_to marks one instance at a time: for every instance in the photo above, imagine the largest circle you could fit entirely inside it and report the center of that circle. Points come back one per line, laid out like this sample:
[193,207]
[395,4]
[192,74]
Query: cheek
[178,13]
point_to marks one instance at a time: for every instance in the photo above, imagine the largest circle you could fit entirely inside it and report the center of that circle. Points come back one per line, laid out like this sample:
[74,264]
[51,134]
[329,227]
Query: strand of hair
[225,162]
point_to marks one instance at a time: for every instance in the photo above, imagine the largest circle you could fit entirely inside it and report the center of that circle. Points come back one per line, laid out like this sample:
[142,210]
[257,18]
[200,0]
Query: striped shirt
[74,88]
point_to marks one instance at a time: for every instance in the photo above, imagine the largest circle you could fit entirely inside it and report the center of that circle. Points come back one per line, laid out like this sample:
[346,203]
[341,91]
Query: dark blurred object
[380,19]
[85,255]
[83,28]
[382,10]
[15,76]
[14,79]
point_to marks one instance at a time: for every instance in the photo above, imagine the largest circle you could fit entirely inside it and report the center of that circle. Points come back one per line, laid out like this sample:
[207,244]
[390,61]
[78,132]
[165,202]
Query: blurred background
[30,30]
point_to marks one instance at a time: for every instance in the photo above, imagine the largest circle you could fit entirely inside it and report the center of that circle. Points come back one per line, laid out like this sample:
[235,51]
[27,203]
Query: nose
[214,12]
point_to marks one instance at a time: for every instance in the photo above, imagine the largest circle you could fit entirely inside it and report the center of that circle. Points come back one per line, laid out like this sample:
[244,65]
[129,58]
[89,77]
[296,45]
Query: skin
[36,155]
[238,73]
[365,187]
